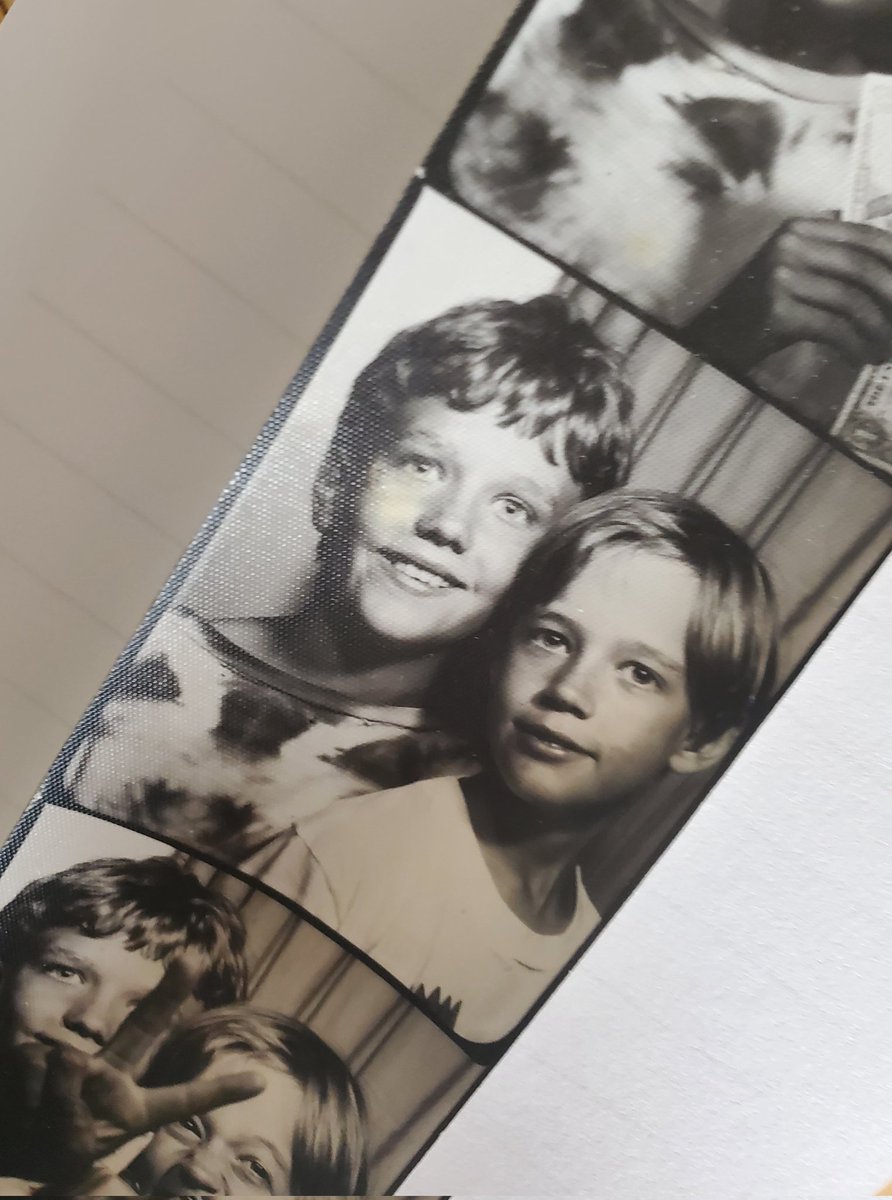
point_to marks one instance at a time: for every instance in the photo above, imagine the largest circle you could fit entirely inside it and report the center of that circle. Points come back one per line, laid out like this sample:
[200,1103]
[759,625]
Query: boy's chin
[419,633]
[556,810]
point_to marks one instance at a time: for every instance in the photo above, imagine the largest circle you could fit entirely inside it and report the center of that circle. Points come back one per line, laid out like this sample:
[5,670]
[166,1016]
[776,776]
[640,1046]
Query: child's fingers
[32,1060]
[70,1126]
[150,1021]
[18,1187]
[63,1081]
[119,1160]
[167,1104]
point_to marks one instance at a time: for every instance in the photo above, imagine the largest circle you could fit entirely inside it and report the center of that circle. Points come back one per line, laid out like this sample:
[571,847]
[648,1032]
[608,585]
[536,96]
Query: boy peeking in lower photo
[79,950]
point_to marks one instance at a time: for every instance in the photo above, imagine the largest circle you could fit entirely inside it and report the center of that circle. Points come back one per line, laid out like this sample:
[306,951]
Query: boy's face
[77,990]
[243,1149]
[593,702]
[448,513]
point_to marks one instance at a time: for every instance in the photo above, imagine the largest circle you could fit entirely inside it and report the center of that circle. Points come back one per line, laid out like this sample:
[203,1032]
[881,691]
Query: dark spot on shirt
[744,135]
[255,722]
[394,762]
[525,155]
[604,37]
[150,678]
[219,824]
[441,1005]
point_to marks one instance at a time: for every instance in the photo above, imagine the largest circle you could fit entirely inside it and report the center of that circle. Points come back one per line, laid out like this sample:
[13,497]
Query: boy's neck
[533,864]
[327,648]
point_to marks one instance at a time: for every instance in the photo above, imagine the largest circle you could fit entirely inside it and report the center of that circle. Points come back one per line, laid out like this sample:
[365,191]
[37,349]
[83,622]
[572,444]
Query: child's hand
[86,1107]
[829,281]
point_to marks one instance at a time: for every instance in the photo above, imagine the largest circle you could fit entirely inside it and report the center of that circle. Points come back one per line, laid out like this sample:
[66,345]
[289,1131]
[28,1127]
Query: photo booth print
[660,149]
[159,750]
[410,1074]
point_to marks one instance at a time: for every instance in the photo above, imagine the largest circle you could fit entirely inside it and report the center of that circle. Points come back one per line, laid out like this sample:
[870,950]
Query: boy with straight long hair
[639,640]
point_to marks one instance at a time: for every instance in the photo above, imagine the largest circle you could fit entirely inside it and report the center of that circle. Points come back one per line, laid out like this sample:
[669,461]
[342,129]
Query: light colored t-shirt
[209,745]
[401,875]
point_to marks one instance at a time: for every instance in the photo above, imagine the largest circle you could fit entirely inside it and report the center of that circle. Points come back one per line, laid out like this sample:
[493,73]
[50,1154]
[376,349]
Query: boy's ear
[696,756]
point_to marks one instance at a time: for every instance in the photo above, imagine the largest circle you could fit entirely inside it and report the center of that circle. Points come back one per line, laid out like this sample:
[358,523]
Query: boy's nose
[200,1173]
[446,522]
[95,1018]
[572,691]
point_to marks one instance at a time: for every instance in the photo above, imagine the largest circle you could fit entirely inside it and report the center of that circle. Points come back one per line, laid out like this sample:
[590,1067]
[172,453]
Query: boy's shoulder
[339,861]
[378,831]
[403,812]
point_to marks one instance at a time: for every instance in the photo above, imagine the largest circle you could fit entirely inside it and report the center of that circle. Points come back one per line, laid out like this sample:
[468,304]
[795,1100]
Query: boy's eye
[548,639]
[421,466]
[60,971]
[642,676]
[515,511]
[189,1128]
[259,1171]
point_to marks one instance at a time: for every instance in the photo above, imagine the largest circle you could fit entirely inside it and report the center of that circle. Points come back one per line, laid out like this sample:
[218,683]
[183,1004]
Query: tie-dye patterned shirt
[208,745]
[638,143]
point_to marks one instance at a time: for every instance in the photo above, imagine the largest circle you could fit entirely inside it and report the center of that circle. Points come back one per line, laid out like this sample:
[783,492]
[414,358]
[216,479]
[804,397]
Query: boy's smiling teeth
[419,576]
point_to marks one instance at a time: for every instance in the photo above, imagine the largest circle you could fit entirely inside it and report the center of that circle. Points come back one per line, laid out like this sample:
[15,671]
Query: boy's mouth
[541,742]
[419,576]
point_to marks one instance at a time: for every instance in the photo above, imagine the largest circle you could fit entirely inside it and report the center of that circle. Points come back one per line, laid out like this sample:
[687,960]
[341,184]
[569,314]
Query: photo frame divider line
[726,368]
[436,171]
[481,1054]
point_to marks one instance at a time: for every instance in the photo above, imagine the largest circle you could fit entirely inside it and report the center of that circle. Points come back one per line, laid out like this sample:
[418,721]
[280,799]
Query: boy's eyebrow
[50,946]
[668,663]
[545,612]
[533,488]
[419,435]
[257,1140]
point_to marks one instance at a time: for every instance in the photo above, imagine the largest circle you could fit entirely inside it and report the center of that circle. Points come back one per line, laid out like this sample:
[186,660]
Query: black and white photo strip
[170,1030]
[719,164]
[515,576]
